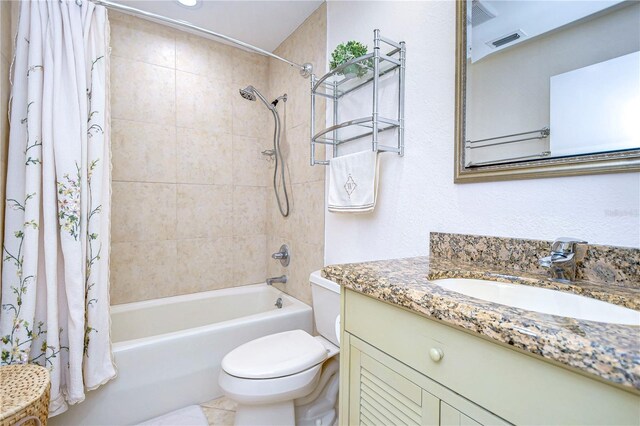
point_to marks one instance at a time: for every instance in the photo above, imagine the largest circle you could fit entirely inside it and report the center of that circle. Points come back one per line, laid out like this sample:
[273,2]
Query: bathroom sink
[542,300]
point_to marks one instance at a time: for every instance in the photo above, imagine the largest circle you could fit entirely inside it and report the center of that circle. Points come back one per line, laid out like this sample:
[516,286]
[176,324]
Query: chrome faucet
[281,279]
[562,260]
[282,255]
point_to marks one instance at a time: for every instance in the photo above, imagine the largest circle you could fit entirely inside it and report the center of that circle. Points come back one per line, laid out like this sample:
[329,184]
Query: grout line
[189,183]
[129,59]
[216,408]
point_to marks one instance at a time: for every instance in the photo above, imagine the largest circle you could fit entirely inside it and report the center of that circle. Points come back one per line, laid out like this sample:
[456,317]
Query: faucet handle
[566,245]
[283,255]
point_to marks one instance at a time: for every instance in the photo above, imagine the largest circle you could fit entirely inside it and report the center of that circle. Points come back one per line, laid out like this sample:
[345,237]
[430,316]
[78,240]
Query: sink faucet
[281,279]
[562,260]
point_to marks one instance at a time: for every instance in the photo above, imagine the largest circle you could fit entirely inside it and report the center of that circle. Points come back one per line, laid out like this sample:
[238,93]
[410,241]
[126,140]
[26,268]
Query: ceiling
[530,19]
[265,24]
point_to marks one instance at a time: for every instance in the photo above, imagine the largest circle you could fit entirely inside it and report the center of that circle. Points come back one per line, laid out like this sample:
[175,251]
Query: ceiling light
[188,3]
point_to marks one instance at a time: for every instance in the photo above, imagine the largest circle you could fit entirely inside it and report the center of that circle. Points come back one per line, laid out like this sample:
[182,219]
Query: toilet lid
[276,355]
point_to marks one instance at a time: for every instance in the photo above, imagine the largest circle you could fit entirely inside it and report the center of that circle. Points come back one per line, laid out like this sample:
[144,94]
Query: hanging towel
[353,182]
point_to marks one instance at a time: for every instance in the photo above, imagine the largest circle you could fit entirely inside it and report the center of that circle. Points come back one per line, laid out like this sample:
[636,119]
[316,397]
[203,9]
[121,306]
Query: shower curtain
[55,276]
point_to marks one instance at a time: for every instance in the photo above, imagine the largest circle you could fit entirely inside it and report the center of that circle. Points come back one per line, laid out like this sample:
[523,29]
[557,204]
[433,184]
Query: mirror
[546,88]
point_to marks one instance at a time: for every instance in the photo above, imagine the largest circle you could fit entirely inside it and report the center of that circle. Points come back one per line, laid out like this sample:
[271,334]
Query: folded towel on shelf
[353,182]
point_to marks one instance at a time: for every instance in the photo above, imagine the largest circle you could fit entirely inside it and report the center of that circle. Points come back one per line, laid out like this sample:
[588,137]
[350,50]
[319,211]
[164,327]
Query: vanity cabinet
[383,391]
[398,367]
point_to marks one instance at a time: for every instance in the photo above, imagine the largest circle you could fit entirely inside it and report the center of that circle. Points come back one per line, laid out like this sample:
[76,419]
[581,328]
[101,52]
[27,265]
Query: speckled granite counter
[609,351]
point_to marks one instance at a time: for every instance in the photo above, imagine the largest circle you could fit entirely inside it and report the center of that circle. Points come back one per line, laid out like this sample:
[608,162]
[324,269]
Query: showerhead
[249,93]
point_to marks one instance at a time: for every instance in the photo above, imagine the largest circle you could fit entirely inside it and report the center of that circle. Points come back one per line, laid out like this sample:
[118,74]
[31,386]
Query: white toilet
[291,377]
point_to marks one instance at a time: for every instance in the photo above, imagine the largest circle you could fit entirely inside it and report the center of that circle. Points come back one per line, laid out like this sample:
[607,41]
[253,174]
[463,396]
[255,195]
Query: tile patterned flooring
[220,412]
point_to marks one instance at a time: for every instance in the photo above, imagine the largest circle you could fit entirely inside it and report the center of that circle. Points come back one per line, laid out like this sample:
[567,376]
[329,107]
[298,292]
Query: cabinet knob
[436,354]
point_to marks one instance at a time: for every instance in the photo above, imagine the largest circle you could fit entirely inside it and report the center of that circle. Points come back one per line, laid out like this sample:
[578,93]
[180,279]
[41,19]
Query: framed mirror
[546,88]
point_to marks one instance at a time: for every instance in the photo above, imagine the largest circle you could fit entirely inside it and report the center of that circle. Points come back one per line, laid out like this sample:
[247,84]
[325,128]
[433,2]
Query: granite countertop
[608,351]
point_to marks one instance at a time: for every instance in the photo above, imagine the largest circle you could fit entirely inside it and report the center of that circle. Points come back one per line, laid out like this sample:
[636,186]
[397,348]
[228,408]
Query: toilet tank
[326,306]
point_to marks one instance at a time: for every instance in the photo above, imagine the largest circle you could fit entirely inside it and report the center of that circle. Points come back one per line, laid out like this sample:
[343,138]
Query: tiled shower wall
[189,182]
[6,53]
[303,230]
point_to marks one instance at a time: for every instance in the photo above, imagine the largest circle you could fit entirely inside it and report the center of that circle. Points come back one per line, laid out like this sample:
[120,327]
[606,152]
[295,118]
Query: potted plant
[345,52]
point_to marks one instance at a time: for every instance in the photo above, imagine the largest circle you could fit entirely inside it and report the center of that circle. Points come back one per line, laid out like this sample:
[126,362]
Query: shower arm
[306,69]
[264,101]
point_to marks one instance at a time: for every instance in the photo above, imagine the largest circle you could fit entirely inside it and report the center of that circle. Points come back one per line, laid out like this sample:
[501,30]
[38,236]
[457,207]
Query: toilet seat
[275,356]
[267,391]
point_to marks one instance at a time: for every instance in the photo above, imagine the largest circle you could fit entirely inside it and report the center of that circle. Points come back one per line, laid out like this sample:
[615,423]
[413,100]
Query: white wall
[417,194]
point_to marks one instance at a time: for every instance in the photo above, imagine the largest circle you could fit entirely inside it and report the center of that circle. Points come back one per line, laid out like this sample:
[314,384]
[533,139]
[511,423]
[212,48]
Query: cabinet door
[381,396]
[449,416]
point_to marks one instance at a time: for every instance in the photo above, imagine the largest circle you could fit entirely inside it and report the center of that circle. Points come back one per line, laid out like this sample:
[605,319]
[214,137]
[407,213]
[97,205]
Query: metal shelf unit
[334,85]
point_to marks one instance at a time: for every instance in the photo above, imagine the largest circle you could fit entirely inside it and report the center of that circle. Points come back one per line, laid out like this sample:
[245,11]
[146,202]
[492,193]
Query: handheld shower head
[249,93]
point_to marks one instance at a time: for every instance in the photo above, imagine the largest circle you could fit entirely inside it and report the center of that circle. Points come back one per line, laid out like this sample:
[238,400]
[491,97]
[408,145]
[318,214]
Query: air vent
[481,13]
[506,39]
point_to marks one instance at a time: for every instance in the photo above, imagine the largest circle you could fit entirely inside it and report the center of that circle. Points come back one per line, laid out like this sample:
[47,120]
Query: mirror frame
[613,162]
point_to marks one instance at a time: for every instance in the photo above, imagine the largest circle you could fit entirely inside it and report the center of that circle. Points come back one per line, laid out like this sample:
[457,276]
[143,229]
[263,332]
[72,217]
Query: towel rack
[335,84]
[524,157]
[542,134]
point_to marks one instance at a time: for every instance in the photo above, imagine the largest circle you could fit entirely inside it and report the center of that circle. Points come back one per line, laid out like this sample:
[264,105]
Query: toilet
[290,377]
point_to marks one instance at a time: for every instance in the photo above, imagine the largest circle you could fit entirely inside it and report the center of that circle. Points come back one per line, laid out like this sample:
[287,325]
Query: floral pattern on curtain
[55,275]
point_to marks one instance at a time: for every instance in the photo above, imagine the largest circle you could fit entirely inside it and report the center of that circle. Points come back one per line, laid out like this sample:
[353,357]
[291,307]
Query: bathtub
[168,351]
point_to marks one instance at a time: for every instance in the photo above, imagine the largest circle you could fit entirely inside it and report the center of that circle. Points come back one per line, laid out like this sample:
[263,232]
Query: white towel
[353,182]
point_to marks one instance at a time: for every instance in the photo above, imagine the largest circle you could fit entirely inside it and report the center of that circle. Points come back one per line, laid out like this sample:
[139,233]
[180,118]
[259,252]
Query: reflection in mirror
[548,79]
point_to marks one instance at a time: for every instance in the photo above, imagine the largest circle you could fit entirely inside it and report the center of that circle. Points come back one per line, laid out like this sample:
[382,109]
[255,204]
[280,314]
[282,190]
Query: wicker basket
[24,395]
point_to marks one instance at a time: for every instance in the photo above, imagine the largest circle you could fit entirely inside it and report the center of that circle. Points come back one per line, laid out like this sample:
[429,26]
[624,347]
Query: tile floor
[220,412]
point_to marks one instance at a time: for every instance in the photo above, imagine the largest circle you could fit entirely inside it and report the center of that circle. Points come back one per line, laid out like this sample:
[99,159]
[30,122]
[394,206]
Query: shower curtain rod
[306,69]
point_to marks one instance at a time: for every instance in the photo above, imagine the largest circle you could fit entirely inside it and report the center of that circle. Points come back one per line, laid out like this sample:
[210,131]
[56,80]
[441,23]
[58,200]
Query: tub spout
[281,279]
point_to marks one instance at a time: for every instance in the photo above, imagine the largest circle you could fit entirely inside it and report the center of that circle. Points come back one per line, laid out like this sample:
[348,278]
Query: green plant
[345,52]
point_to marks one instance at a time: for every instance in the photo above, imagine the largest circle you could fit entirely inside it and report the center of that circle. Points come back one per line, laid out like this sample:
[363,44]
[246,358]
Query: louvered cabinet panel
[380,396]
[449,416]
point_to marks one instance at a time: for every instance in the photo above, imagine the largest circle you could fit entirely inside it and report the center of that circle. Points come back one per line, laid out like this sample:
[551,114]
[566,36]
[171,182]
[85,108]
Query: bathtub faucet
[281,279]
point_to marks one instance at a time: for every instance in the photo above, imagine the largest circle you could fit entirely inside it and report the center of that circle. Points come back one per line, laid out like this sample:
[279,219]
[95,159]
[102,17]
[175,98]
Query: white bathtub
[168,351]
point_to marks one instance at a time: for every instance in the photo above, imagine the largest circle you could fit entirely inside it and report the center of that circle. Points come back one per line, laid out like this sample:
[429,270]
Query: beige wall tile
[143,152]
[303,230]
[204,57]
[297,142]
[4,127]
[276,222]
[307,220]
[249,210]
[144,41]
[299,104]
[305,259]
[143,211]
[182,135]
[204,157]
[251,118]
[6,38]
[202,103]
[310,257]
[250,167]
[274,268]
[142,92]
[5,90]
[142,270]
[205,264]
[204,211]
[250,69]
[249,261]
